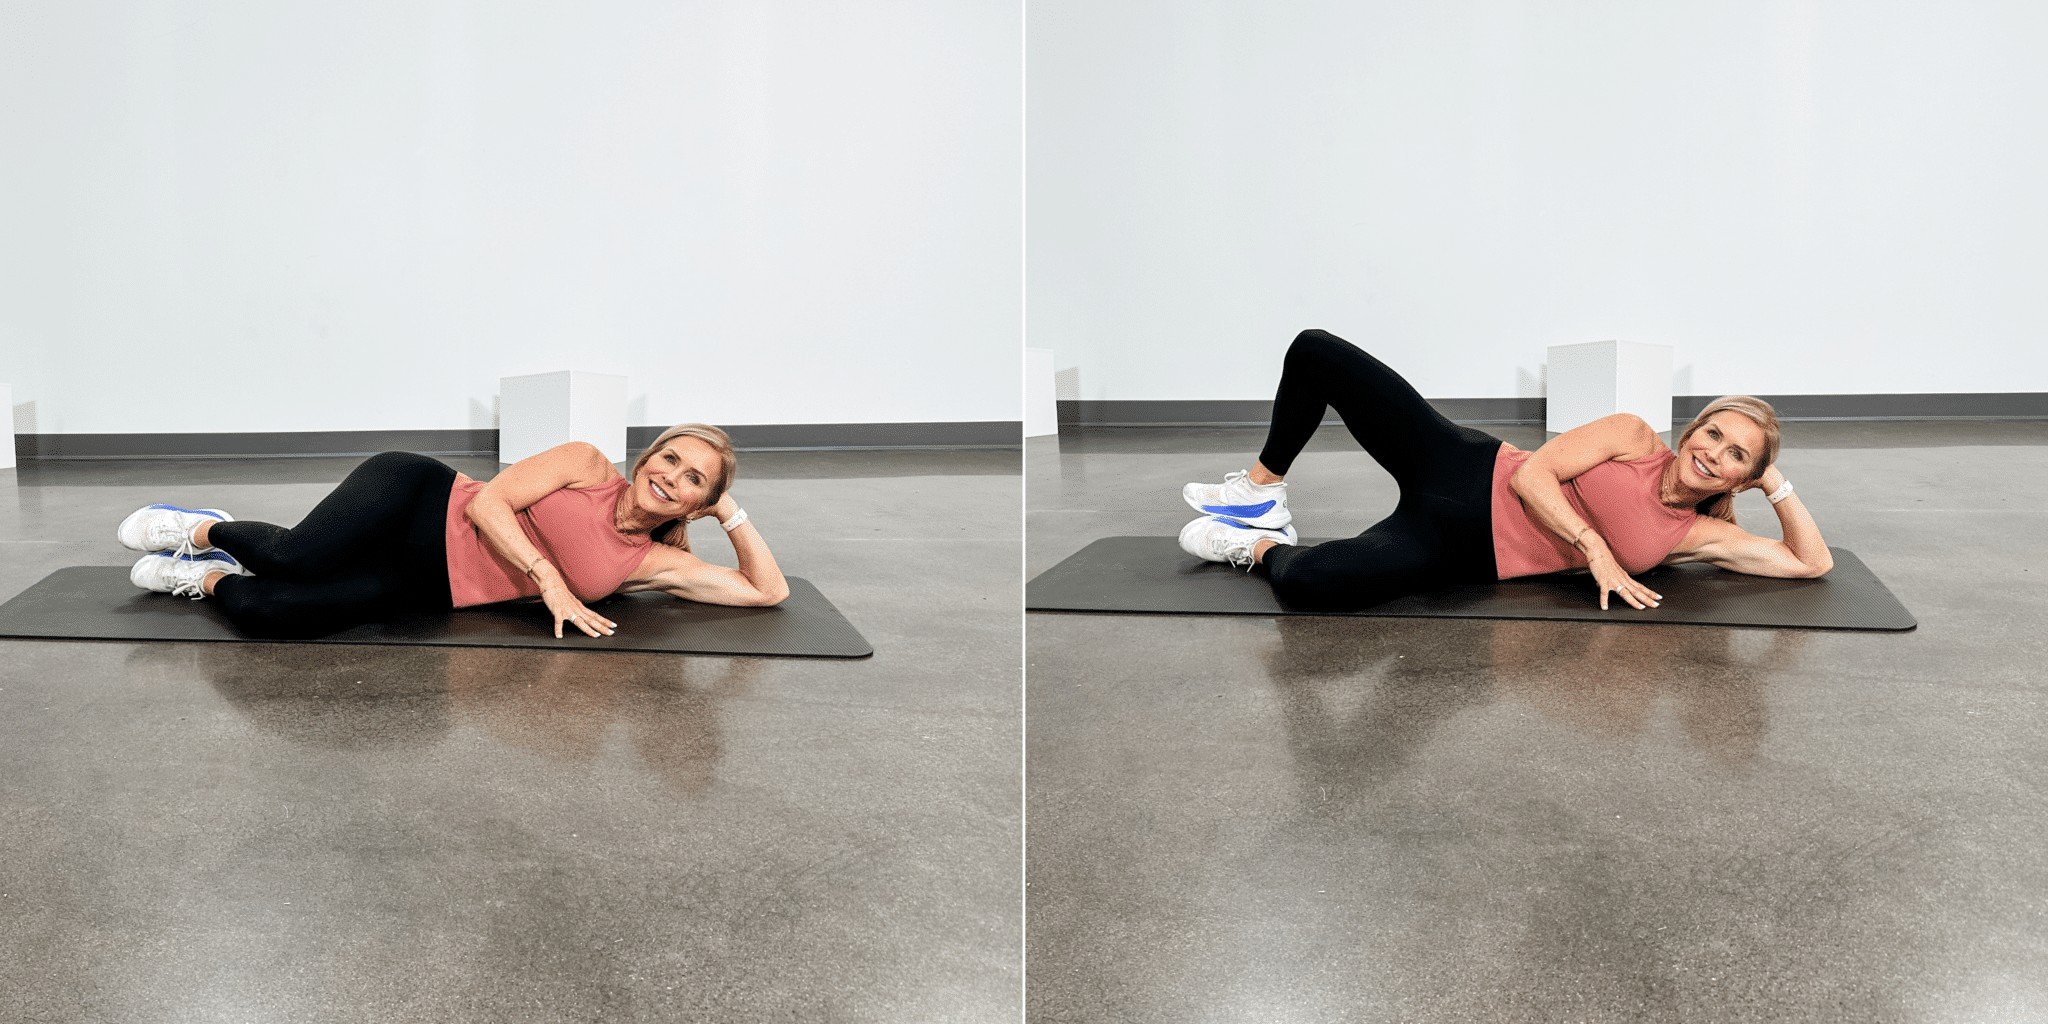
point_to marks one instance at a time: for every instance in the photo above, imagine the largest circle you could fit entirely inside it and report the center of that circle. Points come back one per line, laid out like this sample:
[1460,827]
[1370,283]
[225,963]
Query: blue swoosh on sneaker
[207,512]
[210,556]
[1247,511]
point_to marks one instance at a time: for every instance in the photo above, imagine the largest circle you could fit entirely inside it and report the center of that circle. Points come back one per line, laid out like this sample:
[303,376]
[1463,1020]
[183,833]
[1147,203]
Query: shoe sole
[1273,516]
[121,532]
[1287,536]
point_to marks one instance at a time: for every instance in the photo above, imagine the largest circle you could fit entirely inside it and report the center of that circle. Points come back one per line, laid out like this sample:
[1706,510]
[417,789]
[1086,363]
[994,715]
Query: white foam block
[539,411]
[1599,378]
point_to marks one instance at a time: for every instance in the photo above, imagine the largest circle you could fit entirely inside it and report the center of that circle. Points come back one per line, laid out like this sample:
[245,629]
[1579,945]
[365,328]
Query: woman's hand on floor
[567,609]
[1608,573]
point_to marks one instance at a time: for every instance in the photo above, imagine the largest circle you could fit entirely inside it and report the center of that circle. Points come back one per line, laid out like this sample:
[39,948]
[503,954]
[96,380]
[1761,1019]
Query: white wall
[359,216]
[1802,197]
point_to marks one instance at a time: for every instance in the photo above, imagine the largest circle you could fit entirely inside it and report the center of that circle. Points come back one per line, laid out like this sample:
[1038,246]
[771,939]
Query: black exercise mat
[96,602]
[1153,575]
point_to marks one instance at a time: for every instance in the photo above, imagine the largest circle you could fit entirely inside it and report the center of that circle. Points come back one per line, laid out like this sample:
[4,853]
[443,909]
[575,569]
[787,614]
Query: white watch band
[729,525]
[1784,490]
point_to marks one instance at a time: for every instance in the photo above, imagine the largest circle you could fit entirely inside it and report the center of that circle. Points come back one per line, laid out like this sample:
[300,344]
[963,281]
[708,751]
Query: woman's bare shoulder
[1653,446]
[603,482]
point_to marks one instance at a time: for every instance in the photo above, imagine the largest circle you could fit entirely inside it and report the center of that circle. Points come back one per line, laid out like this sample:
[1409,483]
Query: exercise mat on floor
[1153,575]
[94,602]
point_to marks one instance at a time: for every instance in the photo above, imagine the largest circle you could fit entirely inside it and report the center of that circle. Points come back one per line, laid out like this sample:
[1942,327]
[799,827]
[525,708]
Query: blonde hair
[675,532]
[1722,506]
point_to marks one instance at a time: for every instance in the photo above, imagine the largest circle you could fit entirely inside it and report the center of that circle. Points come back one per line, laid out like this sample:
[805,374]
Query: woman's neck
[1672,492]
[627,518]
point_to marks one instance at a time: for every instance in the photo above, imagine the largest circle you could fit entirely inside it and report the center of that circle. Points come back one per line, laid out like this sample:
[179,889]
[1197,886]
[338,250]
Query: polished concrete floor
[271,832]
[1413,820]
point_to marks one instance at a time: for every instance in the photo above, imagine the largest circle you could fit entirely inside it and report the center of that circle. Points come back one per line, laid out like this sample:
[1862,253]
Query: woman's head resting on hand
[686,470]
[1726,448]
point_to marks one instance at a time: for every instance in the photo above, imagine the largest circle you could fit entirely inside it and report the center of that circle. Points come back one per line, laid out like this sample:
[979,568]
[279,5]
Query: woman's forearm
[498,525]
[756,562]
[1543,495]
[1802,534]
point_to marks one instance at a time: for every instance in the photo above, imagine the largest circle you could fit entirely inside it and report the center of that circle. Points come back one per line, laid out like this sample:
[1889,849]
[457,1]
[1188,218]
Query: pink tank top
[1618,499]
[571,526]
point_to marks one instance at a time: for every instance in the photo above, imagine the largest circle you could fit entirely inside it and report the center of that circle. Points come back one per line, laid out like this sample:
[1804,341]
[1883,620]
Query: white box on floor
[1041,402]
[7,407]
[539,411]
[1599,378]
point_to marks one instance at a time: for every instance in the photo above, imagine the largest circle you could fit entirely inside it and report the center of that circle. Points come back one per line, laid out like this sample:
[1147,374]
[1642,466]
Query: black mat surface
[1153,575]
[96,602]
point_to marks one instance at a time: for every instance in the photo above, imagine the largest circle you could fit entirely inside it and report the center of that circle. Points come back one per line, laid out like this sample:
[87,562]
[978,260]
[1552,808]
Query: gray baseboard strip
[319,443]
[1240,413]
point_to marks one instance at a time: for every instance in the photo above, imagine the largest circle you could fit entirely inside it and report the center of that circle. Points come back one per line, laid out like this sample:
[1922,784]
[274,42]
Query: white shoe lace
[1237,550]
[191,576]
[164,531]
[194,588]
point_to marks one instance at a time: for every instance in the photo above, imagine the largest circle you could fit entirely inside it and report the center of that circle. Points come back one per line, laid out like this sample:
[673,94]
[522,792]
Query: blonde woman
[1608,497]
[405,532]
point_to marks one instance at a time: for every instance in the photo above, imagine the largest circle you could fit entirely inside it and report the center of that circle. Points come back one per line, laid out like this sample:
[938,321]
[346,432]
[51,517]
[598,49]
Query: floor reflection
[559,705]
[1357,706]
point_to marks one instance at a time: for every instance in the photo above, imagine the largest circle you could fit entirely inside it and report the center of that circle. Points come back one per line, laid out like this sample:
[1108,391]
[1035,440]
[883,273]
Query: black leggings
[374,546]
[1441,531]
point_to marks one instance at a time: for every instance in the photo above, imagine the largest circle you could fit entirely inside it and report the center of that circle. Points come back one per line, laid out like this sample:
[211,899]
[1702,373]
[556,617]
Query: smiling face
[1722,454]
[678,479]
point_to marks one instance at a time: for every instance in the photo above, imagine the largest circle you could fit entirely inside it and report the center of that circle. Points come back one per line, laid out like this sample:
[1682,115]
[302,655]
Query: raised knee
[1313,342]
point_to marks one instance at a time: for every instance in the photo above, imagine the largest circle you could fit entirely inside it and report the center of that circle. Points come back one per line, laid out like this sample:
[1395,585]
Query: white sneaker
[1259,505]
[182,575]
[167,528]
[1221,539]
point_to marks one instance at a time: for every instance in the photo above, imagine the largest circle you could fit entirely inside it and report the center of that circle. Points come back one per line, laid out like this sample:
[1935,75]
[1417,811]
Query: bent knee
[1315,343]
[261,619]
[1303,586]
[259,623]
[396,460]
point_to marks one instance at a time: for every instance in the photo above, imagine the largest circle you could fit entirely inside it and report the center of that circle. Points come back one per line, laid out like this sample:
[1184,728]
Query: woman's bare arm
[494,512]
[1803,554]
[757,582]
[1539,483]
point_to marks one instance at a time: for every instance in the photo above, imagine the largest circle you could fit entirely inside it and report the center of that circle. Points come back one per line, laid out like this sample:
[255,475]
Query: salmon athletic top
[1617,499]
[572,526]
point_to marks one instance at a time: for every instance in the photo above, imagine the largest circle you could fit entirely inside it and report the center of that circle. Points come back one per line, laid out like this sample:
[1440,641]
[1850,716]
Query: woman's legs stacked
[1441,532]
[373,546]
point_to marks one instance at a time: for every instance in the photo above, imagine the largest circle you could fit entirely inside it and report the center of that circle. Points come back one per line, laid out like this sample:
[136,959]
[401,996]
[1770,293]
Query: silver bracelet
[729,525]
[1784,491]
